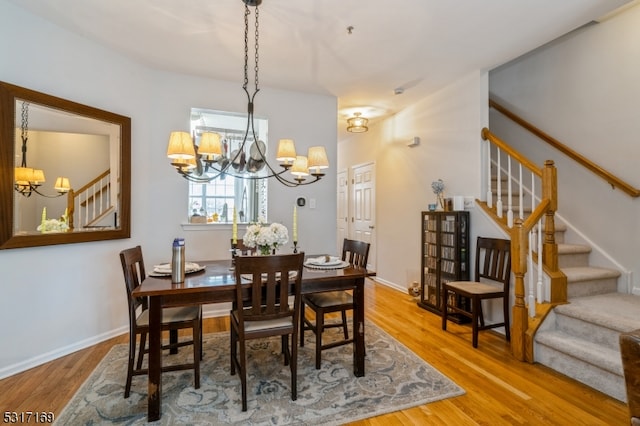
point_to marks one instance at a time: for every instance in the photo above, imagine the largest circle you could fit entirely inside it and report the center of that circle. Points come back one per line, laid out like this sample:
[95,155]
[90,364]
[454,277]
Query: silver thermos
[177,261]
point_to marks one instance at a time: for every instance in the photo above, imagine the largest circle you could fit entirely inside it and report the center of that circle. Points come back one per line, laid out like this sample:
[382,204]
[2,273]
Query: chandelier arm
[60,194]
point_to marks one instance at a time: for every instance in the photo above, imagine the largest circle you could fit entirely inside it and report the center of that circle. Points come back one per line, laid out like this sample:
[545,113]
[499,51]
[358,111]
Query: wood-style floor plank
[499,389]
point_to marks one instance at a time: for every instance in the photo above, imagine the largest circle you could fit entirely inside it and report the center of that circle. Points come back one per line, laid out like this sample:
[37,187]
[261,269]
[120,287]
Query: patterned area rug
[395,379]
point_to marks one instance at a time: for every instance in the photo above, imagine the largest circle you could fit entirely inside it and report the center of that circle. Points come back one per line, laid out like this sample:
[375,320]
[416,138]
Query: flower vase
[264,250]
[440,203]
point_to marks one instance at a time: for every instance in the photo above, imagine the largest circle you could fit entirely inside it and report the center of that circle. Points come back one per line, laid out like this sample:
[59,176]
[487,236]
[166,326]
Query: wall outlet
[469,203]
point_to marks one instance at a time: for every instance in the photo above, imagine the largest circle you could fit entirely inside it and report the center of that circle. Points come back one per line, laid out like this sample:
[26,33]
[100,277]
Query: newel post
[70,208]
[550,192]
[520,321]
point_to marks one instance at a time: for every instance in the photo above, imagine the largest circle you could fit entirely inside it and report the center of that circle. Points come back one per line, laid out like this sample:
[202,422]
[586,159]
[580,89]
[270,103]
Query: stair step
[616,311]
[587,281]
[589,352]
[573,255]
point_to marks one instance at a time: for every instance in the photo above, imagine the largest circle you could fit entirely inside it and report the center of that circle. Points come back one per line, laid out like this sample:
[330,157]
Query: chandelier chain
[246,47]
[24,129]
[256,48]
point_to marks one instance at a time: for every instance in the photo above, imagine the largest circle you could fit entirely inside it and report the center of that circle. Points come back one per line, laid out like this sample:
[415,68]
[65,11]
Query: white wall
[583,90]
[448,124]
[58,299]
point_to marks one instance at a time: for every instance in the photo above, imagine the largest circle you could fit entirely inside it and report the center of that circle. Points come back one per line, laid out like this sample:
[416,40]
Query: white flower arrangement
[53,225]
[265,236]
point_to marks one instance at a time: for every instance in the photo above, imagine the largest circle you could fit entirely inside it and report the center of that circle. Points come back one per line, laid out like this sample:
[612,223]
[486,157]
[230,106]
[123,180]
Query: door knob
[371,226]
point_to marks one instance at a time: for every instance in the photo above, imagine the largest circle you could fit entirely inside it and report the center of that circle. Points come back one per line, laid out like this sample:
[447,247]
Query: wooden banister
[522,326]
[613,180]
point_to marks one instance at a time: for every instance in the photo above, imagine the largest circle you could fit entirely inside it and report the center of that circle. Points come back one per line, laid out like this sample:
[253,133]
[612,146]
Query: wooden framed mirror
[89,147]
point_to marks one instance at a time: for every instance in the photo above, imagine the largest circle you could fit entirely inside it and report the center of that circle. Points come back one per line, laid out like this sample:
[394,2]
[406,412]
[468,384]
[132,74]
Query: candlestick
[44,216]
[295,224]
[234,227]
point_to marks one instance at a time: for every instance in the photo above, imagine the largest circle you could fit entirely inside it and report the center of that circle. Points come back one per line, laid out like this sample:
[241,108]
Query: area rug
[395,379]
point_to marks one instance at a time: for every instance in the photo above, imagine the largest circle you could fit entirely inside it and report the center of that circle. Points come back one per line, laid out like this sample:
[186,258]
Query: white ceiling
[416,45]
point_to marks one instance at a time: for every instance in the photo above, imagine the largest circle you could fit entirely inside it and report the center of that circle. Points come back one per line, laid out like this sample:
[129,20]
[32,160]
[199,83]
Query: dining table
[215,283]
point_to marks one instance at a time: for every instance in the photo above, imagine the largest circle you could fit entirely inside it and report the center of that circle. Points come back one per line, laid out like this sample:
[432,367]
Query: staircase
[580,339]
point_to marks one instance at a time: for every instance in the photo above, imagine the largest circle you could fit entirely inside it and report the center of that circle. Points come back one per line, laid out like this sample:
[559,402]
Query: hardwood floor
[499,389]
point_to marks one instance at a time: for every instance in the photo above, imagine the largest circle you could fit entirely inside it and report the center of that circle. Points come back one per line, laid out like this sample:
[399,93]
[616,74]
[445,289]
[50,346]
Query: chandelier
[27,179]
[205,161]
[357,124]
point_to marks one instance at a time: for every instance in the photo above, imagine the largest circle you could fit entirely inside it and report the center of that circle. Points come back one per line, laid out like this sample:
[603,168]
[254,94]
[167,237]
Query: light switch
[312,203]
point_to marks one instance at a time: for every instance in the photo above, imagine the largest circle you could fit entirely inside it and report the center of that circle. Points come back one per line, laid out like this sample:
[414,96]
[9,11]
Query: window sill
[209,226]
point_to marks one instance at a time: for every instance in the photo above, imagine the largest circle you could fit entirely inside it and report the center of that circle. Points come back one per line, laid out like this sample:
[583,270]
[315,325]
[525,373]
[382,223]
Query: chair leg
[507,331]
[243,374]
[294,367]
[302,324]
[474,320]
[132,354]
[197,348]
[201,341]
[284,344]
[444,308]
[143,343]
[173,340]
[319,330]
[234,349]
[345,330]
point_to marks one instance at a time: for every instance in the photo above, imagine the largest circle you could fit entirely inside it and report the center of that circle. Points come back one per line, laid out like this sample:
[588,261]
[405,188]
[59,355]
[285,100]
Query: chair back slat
[272,278]
[355,252]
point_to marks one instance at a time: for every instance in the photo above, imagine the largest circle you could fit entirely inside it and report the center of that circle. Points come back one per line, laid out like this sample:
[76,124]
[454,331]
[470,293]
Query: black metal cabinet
[445,257]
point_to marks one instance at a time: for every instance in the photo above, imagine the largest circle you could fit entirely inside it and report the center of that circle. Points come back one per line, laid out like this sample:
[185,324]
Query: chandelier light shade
[62,185]
[205,160]
[317,159]
[210,144]
[300,167]
[286,151]
[180,148]
[357,124]
[27,180]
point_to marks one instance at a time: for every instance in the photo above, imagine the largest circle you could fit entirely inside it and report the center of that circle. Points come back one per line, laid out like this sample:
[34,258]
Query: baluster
[489,193]
[520,193]
[531,300]
[509,194]
[498,185]
[539,285]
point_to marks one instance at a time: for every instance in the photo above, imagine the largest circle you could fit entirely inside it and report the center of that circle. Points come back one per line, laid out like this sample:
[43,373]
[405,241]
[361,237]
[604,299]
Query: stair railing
[91,201]
[527,242]
[612,179]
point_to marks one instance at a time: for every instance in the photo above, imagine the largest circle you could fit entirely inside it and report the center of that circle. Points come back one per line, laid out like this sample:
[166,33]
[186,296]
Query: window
[217,199]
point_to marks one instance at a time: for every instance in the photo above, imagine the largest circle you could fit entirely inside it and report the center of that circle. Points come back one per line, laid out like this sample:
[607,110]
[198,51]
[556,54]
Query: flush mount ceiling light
[206,161]
[357,124]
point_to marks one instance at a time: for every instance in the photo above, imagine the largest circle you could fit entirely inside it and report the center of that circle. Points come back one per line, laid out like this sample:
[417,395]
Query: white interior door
[364,207]
[342,231]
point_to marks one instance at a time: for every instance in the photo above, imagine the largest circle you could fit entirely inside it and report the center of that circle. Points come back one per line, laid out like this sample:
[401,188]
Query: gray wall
[583,90]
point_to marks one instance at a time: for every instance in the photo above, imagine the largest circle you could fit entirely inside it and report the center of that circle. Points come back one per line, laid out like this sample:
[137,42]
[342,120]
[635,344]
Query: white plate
[164,269]
[339,265]
[322,261]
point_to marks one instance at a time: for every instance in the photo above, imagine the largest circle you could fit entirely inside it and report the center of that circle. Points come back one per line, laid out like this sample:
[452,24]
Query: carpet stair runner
[580,339]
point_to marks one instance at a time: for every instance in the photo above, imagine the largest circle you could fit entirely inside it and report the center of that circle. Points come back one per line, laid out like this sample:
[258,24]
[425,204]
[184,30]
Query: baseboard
[60,352]
[390,284]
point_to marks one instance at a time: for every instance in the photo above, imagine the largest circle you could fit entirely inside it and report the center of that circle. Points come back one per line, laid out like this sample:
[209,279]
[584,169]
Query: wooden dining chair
[492,279]
[173,319]
[266,310]
[357,254]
